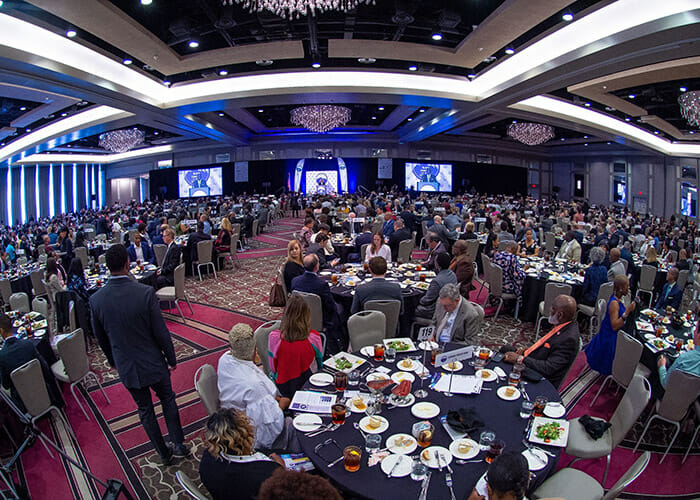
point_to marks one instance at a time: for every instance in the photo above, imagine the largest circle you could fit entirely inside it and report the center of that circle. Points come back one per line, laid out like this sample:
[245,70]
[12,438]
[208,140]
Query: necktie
[544,339]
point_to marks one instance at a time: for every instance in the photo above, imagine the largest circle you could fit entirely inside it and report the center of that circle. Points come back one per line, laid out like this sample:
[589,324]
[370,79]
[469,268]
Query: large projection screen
[200,182]
[429,176]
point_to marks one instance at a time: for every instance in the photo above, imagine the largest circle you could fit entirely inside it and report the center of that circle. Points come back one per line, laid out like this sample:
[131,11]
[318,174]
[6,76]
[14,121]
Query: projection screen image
[200,182]
[429,176]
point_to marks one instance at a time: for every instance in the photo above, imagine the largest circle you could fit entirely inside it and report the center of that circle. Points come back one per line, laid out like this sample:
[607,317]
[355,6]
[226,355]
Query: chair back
[682,389]
[255,228]
[632,473]
[405,250]
[482,227]
[605,291]
[550,241]
[485,261]
[205,382]
[472,249]
[189,486]
[71,350]
[493,275]
[681,243]
[234,243]
[683,278]
[366,328]
[6,290]
[101,237]
[573,360]
[647,276]
[674,254]
[172,222]
[82,254]
[132,233]
[204,251]
[42,259]
[29,383]
[625,264]
[40,305]
[37,285]
[72,323]
[48,295]
[21,261]
[552,291]
[280,278]
[376,227]
[391,310]
[630,407]
[314,303]
[102,260]
[19,302]
[628,351]
[262,336]
[159,250]
[363,252]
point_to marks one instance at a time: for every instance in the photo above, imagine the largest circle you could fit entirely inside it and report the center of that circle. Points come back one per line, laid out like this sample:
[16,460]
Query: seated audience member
[141,229]
[166,273]
[230,468]
[435,248]
[504,235]
[427,304]
[140,251]
[687,361]
[684,263]
[453,221]
[400,234]
[364,238]
[377,289]
[317,248]
[292,485]
[245,387]
[349,225]
[529,245]
[457,319]
[76,279]
[192,240]
[594,276]
[327,246]
[554,352]
[378,248]
[158,238]
[54,280]
[295,350]
[672,294]
[570,249]
[617,268]
[463,267]
[626,254]
[468,233]
[293,266]
[439,229]
[507,478]
[222,244]
[491,246]
[513,273]
[306,233]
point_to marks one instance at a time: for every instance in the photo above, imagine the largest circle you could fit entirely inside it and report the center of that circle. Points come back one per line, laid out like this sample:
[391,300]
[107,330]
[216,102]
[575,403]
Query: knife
[448,481]
[424,488]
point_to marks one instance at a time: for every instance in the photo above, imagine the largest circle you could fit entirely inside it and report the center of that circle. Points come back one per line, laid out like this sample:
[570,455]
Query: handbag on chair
[277,295]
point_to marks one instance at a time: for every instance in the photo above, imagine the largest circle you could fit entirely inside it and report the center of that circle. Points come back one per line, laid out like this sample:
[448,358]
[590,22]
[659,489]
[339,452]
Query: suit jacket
[129,326]
[616,268]
[443,233]
[467,324]
[361,239]
[170,262]
[395,238]
[432,255]
[148,254]
[553,358]
[310,283]
[675,295]
[377,289]
[573,252]
[428,301]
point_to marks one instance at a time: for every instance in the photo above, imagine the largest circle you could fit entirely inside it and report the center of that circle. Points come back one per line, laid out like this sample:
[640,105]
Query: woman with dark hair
[491,246]
[463,266]
[230,468]
[65,246]
[378,248]
[79,239]
[53,279]
[76,279]
[506,479]
[292,485]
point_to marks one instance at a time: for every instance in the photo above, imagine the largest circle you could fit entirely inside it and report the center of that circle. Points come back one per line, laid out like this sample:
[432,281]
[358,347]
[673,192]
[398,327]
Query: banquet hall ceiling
[392,37]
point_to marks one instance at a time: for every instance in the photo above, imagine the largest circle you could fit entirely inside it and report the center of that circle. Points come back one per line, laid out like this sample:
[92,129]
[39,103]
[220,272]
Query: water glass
[418,471]
[390,355]
[373,442]
[485,440]
[353,378]
[526,408]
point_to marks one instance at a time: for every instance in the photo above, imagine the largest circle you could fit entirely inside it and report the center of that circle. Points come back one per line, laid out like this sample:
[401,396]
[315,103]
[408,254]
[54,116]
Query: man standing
[130,328]
[166,273]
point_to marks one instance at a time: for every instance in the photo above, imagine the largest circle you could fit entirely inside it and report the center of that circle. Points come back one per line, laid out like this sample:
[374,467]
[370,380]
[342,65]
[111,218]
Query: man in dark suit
[192,240]
[130,328]
[435,248]
[400,234]
[140,251]
[553,353]
[365,237]
[427,304]
[309,282]
[166,273]
[377,289]
[672,294]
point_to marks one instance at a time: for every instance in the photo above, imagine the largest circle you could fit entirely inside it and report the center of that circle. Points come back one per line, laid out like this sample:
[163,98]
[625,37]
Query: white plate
[325,273]
[410,346]
[649,336]
[364,425]
[354,408]
[425,409]
[368,351]
[563,437]
[502,393]
[355,360]
[473,451]
[457,366]
[307,422]
[398,377]
[554,410]
[491,375]
[401,450]
[39,333]
[427,345]
[536,459]
[321,379]
[446,456]
[412,365]
[408,401]
[402,470]
[377,376]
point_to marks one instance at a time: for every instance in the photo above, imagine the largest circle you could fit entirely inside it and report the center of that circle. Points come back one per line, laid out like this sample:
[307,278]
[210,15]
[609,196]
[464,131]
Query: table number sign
[425,333]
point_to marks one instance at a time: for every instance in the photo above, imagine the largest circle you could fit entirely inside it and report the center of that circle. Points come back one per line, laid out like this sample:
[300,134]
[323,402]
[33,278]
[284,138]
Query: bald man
[553,353]
[617,268]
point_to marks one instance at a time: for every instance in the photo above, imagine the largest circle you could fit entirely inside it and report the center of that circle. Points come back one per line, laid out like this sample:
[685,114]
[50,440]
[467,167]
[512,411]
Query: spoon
[356,425]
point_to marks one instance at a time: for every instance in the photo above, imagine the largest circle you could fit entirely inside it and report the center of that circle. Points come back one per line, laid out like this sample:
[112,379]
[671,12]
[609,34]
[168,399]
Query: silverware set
[330,427]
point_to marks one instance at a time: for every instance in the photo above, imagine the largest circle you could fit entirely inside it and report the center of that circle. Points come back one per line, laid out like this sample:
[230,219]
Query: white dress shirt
[447,324]
[139,253]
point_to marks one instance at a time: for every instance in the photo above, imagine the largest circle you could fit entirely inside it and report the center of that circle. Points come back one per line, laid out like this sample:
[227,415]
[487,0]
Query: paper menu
[312,402]
[461,384]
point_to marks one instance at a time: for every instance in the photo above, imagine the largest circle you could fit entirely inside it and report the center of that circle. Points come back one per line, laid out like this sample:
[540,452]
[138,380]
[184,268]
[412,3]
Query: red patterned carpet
[113,444]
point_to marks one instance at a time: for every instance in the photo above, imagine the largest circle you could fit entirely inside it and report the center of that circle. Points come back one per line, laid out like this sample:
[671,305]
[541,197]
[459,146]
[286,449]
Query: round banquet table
[42,343]
[498,415]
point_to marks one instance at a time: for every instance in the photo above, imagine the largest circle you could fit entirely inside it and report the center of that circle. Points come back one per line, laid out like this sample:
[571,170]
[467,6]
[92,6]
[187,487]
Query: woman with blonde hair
[295,350]
[293,266]
[223,239]
[230,467]
[652,258]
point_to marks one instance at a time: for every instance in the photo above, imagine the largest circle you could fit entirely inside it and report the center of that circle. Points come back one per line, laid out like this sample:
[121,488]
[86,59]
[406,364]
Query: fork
[448,481]
[332,427]
[529,446]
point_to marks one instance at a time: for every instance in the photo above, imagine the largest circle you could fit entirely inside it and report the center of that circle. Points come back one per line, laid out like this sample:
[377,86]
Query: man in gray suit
[129,326]
[617,268]
[442,232]
[457,319]
[377,289]
[426,306]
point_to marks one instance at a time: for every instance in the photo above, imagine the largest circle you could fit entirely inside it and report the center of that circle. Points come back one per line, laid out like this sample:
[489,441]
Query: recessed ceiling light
[586,144]
[683,89]
[1,2]
[628,119]
[422,110]
[568,16]
[691,132]
[28,130]
[223,72]
[316,65]
[510,51]
[366,60]
[261,110]
[166,83]
[631,96]
[585,137]
[413,68]
[64,114]
[374,118]
[587,104]
[656,132]
[156,133]
[146,2]
[410,119]
[436,36]
[127,61]
[71,33]
[609,142]
[381,108]
[23,108]
[471,76]
[263,62]
[221,114]
[193,44]
[563,138]
[514,121]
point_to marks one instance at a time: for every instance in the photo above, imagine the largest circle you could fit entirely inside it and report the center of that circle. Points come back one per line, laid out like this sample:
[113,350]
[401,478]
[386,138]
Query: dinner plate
[403,469]
[427,345]
[368,351]
[539,421]
[473,450]
[456,366]
[536,459]
[321,379]
[649,336]
[397,377]
[432,462]
[377,376]
[364,425]
[501,392]
[403,344]
[401,450]
[554,410]
[325,273]
[354,360]
[407,365]
[425,409]
[407,401]
[363,407]
[40,333]
[486,374]
[307,422]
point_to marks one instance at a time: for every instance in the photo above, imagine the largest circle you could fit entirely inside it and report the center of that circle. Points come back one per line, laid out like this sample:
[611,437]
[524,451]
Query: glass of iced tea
[421,277]
[419,267]
[538,409]
[338,413]
[378,352]
[341,381]
[434,354]
[351,458]
[495,449]
[423,432]
[334,279]
[659,331]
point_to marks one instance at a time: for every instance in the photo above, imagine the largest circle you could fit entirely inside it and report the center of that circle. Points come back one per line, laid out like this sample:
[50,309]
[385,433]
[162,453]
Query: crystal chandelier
[321,117]
[121,141]
[690,107]
[531,134]
[295,8]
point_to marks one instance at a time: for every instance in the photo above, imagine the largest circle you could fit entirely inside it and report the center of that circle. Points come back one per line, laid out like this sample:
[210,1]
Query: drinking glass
[378,352]
[390,355]
[373,442]
[526,408]
[338,413]
[494,450]
[418,471]
[334,279]
[341,381]
[423,432]
[515,374]
[353,378]
[540,403]
[434,354]
[485,439]
[351,457]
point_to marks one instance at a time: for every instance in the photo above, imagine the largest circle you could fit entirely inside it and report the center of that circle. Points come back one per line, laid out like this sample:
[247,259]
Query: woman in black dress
[293,266]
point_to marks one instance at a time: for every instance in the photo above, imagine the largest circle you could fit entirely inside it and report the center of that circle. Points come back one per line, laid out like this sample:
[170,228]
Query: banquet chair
[593,312]
[37,285]
[82,254]
[366,328]
[6,291]
[280,278]
[102,260]
[159,250]
[101,237]
[189,486]
[41,305]
[376,227]
[405,250]
[254,231]
[424,227]
[674,254]
[574,484]
[30,385]
[632,404]
[550,241]
[74,365]
[42,259]
[647,277]
[261,336]
[19,302]
[172,222]
[205,383]
[683,278]
[681,243]
[485,263]
[204,253]
[314,302]
[628,352]
[551,291]
[697,428]
[177,292]
[72,323]
[363,252]
[472,249]
[503,245]
[681,390]
[496,290]
[391,310]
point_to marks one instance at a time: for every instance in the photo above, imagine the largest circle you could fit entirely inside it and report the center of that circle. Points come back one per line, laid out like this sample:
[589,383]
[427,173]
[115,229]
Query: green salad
[398,345]
[549,432]
[342,363]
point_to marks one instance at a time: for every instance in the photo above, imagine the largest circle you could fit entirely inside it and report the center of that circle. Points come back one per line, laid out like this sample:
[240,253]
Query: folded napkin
[464,420]
[594,427]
